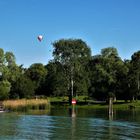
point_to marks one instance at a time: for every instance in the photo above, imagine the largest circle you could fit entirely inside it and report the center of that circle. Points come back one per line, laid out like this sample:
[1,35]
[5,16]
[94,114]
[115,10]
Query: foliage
[134,77]
[37,73]
[107,70]
[23,88]
[10,58]
[72,72]
[4,90]
[73,55]
[55,84]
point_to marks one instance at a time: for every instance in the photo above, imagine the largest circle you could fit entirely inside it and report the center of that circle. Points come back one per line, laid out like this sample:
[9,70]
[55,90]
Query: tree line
[73,71]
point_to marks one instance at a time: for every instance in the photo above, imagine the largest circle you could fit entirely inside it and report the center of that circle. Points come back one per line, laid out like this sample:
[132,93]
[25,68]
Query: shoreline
[43,104]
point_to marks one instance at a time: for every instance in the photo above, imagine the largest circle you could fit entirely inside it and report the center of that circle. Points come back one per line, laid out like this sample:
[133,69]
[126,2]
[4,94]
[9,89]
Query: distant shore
[43,104]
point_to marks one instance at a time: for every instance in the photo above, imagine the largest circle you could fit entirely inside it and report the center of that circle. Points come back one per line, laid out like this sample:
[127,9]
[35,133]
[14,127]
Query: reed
[26,104]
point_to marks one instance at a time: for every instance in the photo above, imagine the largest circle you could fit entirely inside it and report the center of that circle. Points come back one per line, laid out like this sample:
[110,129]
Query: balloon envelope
[40,37]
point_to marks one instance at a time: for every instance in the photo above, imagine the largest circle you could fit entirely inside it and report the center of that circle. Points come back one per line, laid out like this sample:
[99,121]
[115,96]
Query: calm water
[65,124]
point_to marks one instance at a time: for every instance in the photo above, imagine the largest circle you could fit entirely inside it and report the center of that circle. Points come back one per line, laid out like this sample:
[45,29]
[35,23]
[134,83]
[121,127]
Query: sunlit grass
[116,105]
[65,98]
[26,104]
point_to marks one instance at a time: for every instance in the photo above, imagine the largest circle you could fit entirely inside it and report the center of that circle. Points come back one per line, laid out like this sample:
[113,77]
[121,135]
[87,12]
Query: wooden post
[111,106]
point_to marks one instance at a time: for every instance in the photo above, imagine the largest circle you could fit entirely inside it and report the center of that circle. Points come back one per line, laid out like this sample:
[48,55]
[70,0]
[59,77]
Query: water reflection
[72,112]
[7,124]
[70,124]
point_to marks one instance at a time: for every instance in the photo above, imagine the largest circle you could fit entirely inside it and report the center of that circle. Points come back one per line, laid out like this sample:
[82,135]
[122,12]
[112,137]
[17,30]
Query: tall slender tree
[72,54]
[135,74]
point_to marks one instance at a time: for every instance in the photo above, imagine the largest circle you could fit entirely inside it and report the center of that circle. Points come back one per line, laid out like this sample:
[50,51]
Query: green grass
[65,98]
[38,104]
[116,105]
[120,104]
[57,99]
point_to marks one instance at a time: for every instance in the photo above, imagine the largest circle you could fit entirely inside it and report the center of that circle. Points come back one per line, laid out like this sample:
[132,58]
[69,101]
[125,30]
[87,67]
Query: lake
[67,124]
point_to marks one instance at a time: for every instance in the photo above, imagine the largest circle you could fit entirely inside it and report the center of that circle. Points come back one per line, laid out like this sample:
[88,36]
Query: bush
[4,89]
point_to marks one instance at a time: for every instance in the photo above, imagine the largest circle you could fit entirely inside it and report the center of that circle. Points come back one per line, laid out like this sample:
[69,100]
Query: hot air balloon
[40,37]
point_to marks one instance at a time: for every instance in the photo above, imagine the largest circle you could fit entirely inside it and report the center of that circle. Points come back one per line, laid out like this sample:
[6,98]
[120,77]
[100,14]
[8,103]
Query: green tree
[37,73]
[4,89]
[135,75]
[122,80]
[109,52]
[72,54]
[23,88]
[2,60]
[98,78]
[13,73]
[114,67]
[10,58]
[1,57]
[105,69]
[55,84]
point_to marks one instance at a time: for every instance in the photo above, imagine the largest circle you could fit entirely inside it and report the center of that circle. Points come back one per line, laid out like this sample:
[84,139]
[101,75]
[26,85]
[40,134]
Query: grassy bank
[26,104]
[84,102]
[43,104]
[122,106]
[116,105]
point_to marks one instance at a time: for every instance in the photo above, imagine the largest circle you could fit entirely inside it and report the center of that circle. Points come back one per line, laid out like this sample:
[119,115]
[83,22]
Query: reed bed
[26,104]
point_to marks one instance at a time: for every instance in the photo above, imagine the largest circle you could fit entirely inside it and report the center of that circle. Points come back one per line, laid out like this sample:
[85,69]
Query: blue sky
[100,23]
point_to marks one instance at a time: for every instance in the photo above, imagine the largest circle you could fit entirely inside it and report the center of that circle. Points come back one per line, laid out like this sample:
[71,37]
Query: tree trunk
[71,92]
[133,98]
[115,99]
[71,83]
[72,87]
